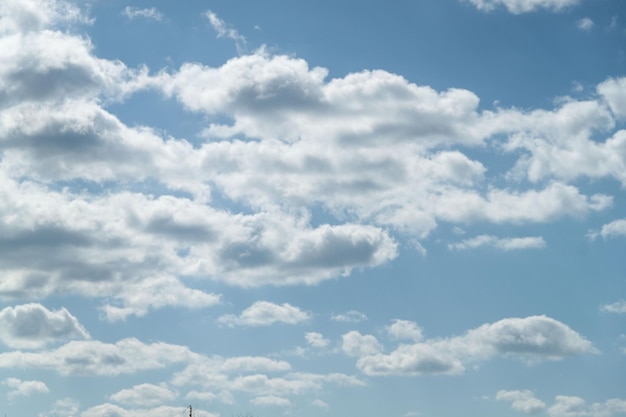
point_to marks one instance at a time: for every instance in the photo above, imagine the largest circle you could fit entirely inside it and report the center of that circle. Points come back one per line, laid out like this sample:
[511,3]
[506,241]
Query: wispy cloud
[585,24]
[148,13]
[523,6]
[223,31]
[505,244]
[616,307]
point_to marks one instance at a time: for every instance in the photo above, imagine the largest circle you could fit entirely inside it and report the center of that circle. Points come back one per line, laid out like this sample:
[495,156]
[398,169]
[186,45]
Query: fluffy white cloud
[616,307]
[613,91]
[127,356]
[568,406]
[30,326]
[112,410]
[405,330]
[523,6]
[356,344]
[316,340]
[532,338]
[505,244]
[264,313]
[524,401]
[616,228]
[19,388]
[144,395]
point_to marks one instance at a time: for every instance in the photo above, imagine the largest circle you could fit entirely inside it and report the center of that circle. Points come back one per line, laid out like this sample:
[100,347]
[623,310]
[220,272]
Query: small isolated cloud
[270,401]
[149,13]
[616,307]
[32,326]
[320,404]
[356,344]
[405,330]
[316,340]
[523,6]
[585,24]
[144,395]
[505,244]
[524,401]
[616,228]
[19,388]
[264,313]
[223,31]
[351,316]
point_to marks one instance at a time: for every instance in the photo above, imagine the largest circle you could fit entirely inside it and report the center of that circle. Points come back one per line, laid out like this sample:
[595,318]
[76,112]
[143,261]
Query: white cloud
[265,313]
[568,406]
[523,6]
[351,316]
[532,339]
[19,388]
[613,91]
[524,401]
[147,13]
[127,356]
[320,404]
[405,330]
[616,307]
[316,340]
[32,15]
[65,407]
[31,326]
[144,395]
[223,31]
[616,228]
[585,24]
[270,401]
[112,410]
[356,344]
[505,244]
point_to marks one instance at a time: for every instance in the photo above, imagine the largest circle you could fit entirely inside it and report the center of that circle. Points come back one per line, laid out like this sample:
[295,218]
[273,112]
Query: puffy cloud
[505,244]
[316,340]
[351,316]
[613,91]
[356,344]
[567,406]
[34,15]
[616,307]
[405,330]
[147,13]
[524,401]
[111,410]
[264,313]
[127,356]
[616,228]
[533,339]
[144,395]
[32,326]
[270,401]
[19,388]
[523,6]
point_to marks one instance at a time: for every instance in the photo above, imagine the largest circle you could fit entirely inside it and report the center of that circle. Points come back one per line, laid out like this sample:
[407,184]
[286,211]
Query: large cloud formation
[381,157]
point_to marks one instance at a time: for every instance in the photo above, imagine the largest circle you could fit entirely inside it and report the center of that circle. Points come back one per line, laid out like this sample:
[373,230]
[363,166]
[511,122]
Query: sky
[407,208]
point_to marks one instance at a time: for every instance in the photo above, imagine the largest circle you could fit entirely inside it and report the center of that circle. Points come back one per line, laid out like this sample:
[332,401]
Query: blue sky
[409,208]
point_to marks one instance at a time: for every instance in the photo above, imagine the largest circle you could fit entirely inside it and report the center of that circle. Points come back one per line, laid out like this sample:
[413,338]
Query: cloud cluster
[382,157]
[505,244]
[523,6]
[563,406]
[19,388]
[532,339]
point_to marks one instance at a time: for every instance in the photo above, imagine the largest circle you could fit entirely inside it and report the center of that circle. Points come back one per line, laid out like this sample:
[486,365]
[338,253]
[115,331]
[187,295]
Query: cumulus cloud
[316,340]
[405,330]
[351,316]
[320,404]
[616,228]
[523,6]
[144,395]
[19,388]
[31,326]
[505,244]
[265,313]
[524,401]
[91,357]
[112,410]
[532,339]
[356,344]
[569,406]
[150,13]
